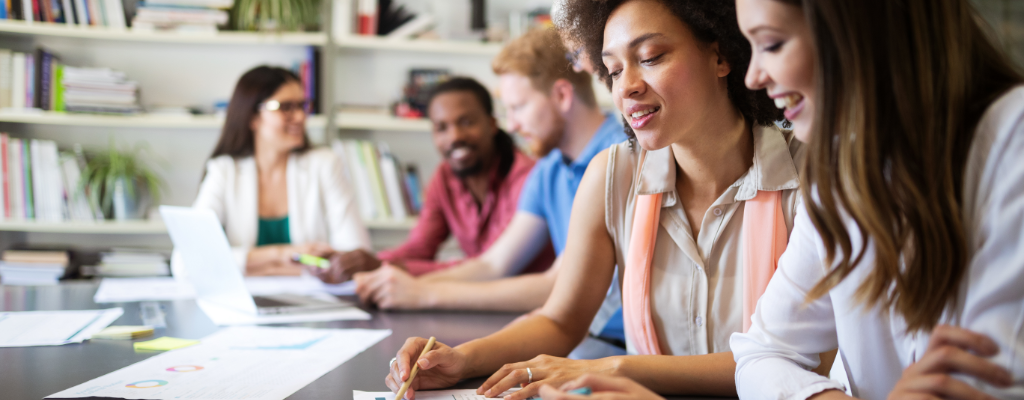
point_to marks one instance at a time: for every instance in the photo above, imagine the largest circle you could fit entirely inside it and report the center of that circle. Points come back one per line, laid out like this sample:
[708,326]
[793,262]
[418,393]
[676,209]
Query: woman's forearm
[519,294]
[706,375]
[260,258]
[524,340]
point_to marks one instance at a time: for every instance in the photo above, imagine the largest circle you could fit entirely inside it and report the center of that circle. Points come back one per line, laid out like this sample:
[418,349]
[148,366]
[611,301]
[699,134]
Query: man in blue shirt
[553,107]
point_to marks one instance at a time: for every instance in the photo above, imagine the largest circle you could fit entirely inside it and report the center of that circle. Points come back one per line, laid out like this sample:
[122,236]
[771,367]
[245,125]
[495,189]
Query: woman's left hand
[603,387]
[545,370]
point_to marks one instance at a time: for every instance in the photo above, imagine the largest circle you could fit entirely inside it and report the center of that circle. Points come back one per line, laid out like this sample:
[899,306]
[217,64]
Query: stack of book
[39,183]
[29,267]
[108,13]
[98,90]
[129,263]
[182,15]
[39,80]
[382,191]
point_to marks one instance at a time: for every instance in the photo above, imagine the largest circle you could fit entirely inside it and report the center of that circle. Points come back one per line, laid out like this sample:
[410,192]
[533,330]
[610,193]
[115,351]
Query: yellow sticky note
[164,343]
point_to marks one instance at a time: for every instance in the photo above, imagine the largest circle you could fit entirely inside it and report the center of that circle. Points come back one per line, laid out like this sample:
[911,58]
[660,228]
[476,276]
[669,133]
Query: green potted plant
[120,184]
[276,15]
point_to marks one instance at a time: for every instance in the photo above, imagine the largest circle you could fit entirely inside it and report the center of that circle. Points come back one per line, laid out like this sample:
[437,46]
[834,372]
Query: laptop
[210,267]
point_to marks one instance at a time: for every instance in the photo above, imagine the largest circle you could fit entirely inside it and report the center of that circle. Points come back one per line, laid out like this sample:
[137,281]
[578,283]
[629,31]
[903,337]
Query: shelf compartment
[105,33]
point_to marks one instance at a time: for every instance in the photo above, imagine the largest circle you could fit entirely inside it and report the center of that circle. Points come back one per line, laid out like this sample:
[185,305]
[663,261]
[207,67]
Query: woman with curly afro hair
[692,212]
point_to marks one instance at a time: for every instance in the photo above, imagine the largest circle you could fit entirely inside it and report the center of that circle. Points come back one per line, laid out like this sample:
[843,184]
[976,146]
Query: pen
[415,369]
[311,260]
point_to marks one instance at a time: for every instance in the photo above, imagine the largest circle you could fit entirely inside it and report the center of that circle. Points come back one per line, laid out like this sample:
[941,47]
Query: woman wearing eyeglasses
[275,195]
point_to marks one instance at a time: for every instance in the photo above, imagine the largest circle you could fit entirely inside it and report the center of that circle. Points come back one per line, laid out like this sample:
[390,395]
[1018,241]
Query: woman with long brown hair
[910,256]
[276,195]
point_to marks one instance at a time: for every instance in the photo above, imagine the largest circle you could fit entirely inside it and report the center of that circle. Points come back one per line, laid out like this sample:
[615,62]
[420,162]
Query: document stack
[40,184]
[129,263]
[99,90]
[182,15]
[29,267]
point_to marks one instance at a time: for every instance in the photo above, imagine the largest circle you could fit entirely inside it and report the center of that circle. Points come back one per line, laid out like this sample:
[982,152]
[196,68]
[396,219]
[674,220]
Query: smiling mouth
[642,113]
[788,101]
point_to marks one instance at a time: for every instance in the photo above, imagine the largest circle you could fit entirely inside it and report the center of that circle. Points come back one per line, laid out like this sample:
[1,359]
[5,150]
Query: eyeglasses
[285,106]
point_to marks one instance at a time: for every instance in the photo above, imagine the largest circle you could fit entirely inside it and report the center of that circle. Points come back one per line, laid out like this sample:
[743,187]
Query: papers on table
[458,394]
[122,290]
[258,363]
[119,290]
[228,316]
[51,328]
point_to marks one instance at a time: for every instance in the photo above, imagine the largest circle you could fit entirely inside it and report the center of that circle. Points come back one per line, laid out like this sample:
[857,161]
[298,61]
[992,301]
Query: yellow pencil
[415,369]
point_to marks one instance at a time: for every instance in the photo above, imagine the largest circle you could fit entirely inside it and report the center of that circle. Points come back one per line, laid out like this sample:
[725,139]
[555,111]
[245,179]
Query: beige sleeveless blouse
[697,283]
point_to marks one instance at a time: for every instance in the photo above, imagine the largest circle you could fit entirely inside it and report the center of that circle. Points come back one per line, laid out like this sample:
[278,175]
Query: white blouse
[697,282]
[321,204]
[775,356]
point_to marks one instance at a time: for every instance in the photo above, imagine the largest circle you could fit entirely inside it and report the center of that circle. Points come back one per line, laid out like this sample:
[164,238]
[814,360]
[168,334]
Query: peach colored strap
[765,238]
[636,281]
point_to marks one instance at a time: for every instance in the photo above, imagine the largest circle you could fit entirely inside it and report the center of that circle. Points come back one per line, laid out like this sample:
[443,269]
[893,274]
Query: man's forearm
[472,269]
[520,293]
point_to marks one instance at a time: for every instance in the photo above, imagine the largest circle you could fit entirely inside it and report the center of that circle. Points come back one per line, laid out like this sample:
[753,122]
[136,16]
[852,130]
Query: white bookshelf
[104,33]
[127,121]
[142,227]
[418,46]
[382,122]
[145,227]
[343,120]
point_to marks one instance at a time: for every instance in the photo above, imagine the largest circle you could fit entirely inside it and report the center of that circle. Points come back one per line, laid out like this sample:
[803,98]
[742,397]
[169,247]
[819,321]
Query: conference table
[37,372]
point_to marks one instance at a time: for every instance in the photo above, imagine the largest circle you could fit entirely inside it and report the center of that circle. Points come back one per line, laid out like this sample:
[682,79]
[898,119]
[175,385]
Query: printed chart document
[121,290]
[457,394]
[259,363]
[52,328]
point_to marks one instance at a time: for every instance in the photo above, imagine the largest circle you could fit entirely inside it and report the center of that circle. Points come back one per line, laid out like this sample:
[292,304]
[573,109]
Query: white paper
[121,290]
[227,316]
[256,363]
[456,394]
[52,328]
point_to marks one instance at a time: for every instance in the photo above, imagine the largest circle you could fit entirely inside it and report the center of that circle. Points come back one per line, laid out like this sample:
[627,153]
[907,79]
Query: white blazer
[775,357]
[321,205]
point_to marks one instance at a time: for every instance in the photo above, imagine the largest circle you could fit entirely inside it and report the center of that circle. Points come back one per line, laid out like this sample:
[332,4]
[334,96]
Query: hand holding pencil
[439,367]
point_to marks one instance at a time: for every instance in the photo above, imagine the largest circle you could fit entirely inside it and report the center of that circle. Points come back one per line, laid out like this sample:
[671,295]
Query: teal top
[273,231]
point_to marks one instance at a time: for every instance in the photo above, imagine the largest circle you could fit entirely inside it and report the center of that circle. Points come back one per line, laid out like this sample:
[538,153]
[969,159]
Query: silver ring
[392,363]
[529,376]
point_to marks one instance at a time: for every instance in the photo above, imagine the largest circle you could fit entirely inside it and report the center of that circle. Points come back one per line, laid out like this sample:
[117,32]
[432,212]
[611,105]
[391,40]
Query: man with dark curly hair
[693,212]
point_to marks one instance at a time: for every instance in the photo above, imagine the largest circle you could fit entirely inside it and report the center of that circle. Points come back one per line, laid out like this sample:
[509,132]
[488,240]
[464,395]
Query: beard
[541,145]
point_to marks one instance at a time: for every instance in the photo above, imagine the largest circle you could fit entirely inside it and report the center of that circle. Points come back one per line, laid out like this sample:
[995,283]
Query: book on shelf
[41,81]
[375,175]
[41,184]
[309,73]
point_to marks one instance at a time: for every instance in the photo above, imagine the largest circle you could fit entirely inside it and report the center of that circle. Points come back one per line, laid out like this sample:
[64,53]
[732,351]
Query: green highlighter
[311,260]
